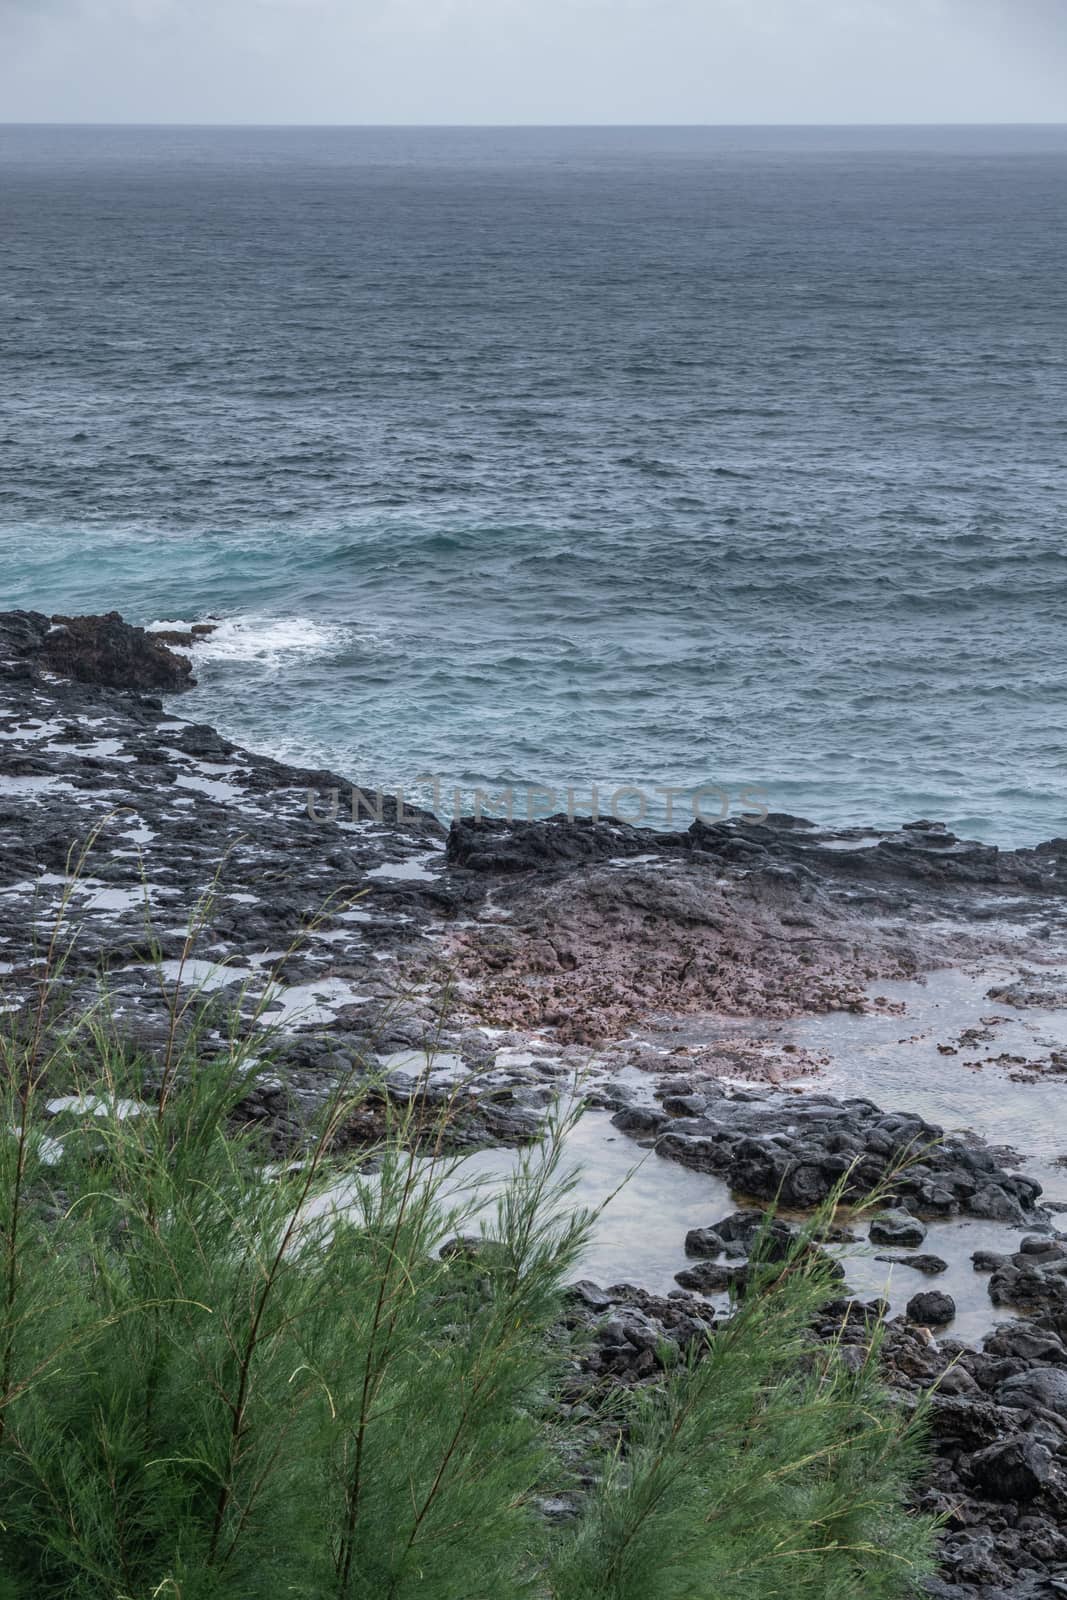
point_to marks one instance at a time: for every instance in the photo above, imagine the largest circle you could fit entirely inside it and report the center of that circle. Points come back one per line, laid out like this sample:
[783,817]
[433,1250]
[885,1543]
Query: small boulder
[932,1308]
[899,1229]
[703,1242]
[590,1295]
[709,1277]
[685,1105]
[639,1119]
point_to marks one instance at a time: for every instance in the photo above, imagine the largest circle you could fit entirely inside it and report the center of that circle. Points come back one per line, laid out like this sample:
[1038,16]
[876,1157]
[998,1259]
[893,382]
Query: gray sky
[519,61]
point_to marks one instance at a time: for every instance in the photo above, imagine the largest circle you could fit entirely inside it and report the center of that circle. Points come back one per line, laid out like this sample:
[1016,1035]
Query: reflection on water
[895,1061]
[652,1203]
[954,1242]
[640,1236]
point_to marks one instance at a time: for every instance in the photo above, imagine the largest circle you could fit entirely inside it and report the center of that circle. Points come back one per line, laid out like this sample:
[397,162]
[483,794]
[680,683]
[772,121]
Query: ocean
[727,461]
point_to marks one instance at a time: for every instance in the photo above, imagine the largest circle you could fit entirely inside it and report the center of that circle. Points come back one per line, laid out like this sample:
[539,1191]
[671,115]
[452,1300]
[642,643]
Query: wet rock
[897,1228]
[495,846]
[1026,1342]
[704,1242]
[639,1120]
[636,1334]
[742,1231]
[996,1473]
[776,1147]
[629,1326]
[685,1105]
[710,1277]
[1046,1248]
[930,1265]
[932,1308]
[1031,1281]
[590,1295]
[997,1205]
[961,1423]
[748,1237]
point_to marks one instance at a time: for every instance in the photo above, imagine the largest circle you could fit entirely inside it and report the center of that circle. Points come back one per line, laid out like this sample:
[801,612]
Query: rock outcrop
[554,945]
[100,650]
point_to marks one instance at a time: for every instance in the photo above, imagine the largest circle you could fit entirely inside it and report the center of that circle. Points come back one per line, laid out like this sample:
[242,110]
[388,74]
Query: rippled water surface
[657,457]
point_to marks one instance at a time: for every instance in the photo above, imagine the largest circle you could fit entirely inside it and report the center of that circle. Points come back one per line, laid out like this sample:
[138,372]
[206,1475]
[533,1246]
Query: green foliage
[215,1384]
[770,1468]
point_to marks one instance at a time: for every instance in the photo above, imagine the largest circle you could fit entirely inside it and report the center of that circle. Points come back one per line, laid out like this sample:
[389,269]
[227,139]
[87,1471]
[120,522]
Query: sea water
[718,460]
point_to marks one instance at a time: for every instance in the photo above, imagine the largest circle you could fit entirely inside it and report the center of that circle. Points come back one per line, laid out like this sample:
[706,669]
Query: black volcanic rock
[1035,1280]
[103,650]
[354,928]
[110,652]
[796,1151]
[897,1229]
[495,845]
[932,1308]
[930,1265]
[1012,1469]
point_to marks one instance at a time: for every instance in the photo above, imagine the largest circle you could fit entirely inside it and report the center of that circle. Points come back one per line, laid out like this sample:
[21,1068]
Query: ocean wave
[269,641]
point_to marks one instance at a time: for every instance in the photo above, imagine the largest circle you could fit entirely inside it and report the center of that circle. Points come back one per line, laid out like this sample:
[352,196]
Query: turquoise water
[632,457]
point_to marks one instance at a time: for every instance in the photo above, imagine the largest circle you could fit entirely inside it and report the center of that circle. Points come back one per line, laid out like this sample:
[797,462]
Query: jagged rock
[1041,1388]
[995,1203]
[1012,1469]
[639,1120]
[1032,1279]
[590,1295]
[101,650]
[1025,1342]
[795,1152]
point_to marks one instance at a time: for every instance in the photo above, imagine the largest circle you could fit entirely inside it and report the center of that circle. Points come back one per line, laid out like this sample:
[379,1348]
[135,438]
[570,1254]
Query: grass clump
[215,1384]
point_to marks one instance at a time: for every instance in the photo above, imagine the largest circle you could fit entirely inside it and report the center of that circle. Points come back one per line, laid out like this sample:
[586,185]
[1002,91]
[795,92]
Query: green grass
[213,1389]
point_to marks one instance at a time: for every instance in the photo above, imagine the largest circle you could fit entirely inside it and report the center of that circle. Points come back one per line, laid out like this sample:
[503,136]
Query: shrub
[215,1384]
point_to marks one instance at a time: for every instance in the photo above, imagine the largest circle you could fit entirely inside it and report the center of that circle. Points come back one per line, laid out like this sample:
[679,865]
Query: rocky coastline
[500,963]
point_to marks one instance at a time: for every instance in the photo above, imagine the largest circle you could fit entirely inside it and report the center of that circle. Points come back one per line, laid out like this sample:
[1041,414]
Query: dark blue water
[644,457]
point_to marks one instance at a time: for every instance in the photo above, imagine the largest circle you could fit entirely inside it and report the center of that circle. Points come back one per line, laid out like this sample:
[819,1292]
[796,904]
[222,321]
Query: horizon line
[490,126]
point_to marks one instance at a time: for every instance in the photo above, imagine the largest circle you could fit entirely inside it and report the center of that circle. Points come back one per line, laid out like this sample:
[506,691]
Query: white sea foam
[271,641]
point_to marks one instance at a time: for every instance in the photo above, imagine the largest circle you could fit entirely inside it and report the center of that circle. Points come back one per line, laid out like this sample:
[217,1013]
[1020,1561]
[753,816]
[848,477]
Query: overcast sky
[519,61]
